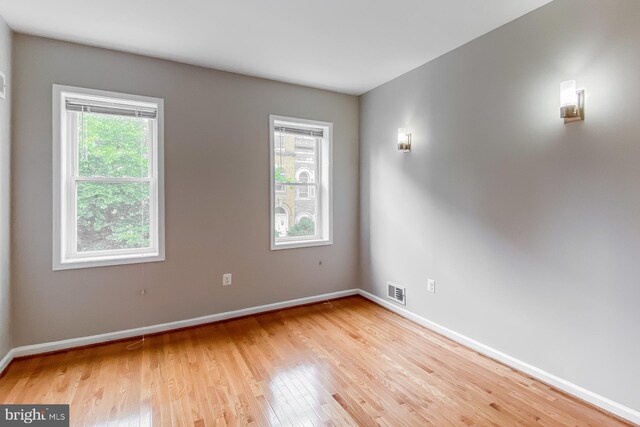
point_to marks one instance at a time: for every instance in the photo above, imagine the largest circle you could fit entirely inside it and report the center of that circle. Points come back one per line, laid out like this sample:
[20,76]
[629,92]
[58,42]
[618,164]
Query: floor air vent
[396,293]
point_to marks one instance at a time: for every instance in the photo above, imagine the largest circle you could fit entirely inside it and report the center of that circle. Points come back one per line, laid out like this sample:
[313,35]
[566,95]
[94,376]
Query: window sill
[106,261]
[300,244]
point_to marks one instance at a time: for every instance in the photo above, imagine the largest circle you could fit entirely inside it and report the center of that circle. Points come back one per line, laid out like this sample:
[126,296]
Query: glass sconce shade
[568,95]
[404,140]
[571,102]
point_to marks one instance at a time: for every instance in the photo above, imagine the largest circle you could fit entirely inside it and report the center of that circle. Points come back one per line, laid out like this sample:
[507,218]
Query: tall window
[300,183]
[108,178]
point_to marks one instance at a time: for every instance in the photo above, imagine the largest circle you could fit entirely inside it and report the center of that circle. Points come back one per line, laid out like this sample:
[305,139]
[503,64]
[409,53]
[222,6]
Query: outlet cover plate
[226,279]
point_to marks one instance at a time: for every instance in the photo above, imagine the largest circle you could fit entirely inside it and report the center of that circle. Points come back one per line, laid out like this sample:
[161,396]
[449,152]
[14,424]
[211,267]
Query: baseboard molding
[30,350]
[547,378]
[4,363]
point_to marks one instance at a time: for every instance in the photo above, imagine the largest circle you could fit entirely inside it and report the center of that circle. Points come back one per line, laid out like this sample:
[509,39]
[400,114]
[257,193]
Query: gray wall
[217,196]
[5,198]
[531,228]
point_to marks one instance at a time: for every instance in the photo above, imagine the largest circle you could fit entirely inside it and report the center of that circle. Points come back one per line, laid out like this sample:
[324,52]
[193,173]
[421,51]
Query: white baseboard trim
[6,360]
[29,350]
[547,378]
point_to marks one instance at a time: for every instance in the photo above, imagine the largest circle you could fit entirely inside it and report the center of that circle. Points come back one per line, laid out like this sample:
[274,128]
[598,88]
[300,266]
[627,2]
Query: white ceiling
[348,46]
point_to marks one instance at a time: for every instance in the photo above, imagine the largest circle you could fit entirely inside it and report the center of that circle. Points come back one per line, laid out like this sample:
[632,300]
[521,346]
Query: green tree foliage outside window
[113,215]
[304,227]
[280,175]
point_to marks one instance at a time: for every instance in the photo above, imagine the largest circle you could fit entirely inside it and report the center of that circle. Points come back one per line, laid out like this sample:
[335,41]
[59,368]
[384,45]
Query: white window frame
[324,178]
[65,255]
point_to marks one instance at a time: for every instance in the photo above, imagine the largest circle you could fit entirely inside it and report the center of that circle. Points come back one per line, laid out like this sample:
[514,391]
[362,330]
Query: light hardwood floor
[344,362]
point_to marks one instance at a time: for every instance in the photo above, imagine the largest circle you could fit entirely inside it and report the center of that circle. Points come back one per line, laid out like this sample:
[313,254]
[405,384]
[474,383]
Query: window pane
[305,158]
[113,216]
[295,216]
[294,154]
[113,146]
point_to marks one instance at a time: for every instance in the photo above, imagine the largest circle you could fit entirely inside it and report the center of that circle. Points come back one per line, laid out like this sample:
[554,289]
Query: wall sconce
[3,86]
[571,102]
[404,140]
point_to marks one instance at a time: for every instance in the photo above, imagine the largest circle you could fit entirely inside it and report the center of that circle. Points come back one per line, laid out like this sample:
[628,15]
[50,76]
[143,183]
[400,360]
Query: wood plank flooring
[345,362]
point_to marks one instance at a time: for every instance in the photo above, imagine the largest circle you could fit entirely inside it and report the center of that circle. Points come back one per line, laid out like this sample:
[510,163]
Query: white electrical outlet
[431,286]
[226,279]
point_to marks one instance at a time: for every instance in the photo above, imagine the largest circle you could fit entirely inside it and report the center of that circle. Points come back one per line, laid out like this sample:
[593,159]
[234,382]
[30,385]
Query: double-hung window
[300,175]
[108,178]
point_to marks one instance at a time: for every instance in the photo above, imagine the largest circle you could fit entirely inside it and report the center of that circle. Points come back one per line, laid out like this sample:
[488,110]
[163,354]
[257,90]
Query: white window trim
[60,187]
[324,177]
